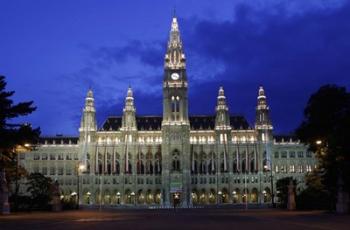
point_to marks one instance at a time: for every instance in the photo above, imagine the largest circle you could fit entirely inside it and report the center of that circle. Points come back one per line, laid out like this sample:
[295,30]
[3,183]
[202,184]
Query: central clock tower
[175,101]
[175,124]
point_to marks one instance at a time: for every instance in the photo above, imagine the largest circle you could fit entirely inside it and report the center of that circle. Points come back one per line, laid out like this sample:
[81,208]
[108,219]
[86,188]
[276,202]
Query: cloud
[290,47]
[291,54]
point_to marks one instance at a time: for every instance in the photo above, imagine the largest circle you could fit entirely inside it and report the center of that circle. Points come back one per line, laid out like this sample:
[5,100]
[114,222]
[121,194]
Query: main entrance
[176,189]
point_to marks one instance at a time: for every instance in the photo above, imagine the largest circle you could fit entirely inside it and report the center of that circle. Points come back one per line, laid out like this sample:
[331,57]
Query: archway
[212,196]
[236,195]
[254,195]
[225,196]
[194,197]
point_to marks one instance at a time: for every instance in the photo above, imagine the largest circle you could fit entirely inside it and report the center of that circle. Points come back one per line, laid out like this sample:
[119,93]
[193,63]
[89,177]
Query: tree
[325,129]
[14,135]
[315,196]
[39,187]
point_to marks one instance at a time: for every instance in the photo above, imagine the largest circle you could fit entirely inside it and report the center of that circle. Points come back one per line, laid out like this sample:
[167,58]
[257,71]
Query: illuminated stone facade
[156,160]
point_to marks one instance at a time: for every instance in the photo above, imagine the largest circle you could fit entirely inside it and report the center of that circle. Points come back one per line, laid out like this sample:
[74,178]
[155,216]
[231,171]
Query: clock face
[175,76]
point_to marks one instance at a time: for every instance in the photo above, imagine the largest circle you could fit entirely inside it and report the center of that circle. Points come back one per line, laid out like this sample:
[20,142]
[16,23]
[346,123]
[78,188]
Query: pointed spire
[89,101]
[262,120]
[261,97]
[221,99]
[175,57]
[222,121]
[129,101]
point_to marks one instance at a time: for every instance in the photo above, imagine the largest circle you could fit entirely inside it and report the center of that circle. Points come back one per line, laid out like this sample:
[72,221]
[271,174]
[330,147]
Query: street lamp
[133,197]
[219,196]
[271,180]
[118,197]
[80,168]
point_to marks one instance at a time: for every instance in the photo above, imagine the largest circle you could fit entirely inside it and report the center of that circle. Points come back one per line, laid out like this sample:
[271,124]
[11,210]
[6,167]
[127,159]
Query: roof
[285,138]
[59,139]
[197,122]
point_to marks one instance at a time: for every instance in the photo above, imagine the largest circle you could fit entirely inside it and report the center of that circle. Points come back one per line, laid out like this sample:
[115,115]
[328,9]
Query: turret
[129,113]
[88,126]
[222,120]
[262,119]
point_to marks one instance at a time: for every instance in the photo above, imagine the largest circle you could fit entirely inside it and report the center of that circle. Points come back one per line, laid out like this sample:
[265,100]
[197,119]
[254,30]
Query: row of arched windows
[144,164]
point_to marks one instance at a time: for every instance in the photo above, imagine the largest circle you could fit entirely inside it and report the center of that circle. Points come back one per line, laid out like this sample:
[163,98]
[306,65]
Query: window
[52,171]
[308,154]
[300,154]
[308,168]
[68,171]
[276,168]
[291,169]
[44,171]
[44,156]
[52,157]
[300,169]
[284,154]
[277,154]
[60,156]
[175,107]
[60,171]
[292,154]
[36,156]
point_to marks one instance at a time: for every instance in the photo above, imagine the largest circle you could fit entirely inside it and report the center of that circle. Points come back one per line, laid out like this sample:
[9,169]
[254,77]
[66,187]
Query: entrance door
[176,199]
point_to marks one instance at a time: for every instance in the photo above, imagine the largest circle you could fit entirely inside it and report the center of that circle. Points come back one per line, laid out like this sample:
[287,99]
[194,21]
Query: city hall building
[175,158]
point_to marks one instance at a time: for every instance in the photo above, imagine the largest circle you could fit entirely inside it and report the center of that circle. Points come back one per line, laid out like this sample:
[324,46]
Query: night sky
[53,51]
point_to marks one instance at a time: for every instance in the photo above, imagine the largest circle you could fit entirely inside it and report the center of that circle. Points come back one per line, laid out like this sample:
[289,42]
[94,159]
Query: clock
[175,76]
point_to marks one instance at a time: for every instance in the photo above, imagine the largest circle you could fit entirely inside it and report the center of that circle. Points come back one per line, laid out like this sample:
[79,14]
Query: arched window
[252,165]
[244,166]
[109,164]
[235,168]
[100,164]
[212,163]
[176,161]
[117,167]
[175,107]
[158,163]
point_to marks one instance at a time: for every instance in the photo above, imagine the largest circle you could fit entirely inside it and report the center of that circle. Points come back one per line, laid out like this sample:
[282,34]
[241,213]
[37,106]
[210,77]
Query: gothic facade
[159,160]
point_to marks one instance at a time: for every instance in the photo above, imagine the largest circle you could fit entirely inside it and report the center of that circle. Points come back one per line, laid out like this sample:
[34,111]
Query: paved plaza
[181,219]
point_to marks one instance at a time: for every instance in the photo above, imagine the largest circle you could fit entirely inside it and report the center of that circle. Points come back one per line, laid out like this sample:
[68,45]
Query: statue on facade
[4,194]
[291,196]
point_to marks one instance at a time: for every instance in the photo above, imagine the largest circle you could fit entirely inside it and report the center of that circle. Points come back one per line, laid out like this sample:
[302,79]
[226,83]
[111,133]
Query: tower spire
[262,120]
[129,112]
[175,57]
[222,121]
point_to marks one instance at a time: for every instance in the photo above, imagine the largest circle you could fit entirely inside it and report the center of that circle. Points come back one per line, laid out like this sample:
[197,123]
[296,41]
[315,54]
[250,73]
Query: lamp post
[133,197]
[118,197]
[219,196]
[271,180]
[80,168]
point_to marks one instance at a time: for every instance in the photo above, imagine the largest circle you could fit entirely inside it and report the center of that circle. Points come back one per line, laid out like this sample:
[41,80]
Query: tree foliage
[315,196]
[325,129]
[40,188]
[12,133]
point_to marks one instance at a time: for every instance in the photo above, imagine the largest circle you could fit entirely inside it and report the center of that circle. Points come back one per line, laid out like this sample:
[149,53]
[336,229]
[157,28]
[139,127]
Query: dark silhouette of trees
[325,129]
[14,135]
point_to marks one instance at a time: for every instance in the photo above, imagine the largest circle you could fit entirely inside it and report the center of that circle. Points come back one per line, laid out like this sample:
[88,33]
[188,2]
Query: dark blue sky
[52,51]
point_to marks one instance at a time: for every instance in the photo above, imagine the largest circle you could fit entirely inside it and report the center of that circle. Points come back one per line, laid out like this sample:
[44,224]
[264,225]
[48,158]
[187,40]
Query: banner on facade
[175,185]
